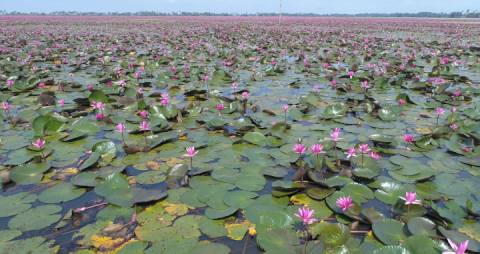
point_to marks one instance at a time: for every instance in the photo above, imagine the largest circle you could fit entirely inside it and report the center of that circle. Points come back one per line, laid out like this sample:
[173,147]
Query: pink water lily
[408,138]
[333,83]
[90,87]
[374,155]
[61,102]
[220,107]
[99,116]
[351,152]
[245,95]
[344,203]
[299,149]
[120,127]
[143,114]
[363,148]
[6,106]
[306,215]
[411,199]
[285,108]
[365,85]
[454,126]
[98,105]
[144,126]
[440,111]
[335,135]
[191,151]
[402,102]
[39,144]
[10,83]
[457,249]
[317,149]
[350,74]
[234,86]
[165,99]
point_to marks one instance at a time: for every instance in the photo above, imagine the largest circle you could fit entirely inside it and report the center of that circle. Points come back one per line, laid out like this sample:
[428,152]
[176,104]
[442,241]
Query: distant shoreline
[451,15]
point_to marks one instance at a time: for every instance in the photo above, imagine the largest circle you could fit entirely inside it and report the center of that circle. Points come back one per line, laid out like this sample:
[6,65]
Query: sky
[242,6]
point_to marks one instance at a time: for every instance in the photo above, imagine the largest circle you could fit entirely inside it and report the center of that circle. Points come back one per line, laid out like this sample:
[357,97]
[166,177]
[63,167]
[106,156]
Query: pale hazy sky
[242,6]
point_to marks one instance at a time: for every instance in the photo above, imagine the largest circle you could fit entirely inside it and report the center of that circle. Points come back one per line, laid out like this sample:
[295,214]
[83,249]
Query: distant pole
[280,14]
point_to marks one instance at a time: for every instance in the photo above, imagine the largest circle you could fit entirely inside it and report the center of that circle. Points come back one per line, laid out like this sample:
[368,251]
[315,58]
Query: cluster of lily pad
[184,137]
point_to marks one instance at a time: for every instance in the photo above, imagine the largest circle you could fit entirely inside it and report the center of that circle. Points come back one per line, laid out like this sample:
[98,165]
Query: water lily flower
[164,102]
[98,105]
[285,108]
[306,215]
[411,199]
[220,107]
[6,106]
[41,85]
[437,81]
[351,152]
[144,126]
[273,62]
[143,114]
[344,203]
[333,83]
[374,155]
[317,149]
[440,111]
[299,149]
[165,99]
[457,93]
[444,60]
[453,109]
[90,87]
[335,135]
[252,231]
[137,75]
[191,152]
[39,143]
[61,102]
[454,126]
[402,102]
[408,138]
[245,95]
[10,83]
[120,127]
[363,148]
[462,249]
[365,85]
[350,74]
[234,86]
[205,78]
[99,116]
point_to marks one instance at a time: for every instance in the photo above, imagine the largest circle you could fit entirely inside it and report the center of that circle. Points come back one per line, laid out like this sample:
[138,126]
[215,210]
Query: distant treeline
[458,14]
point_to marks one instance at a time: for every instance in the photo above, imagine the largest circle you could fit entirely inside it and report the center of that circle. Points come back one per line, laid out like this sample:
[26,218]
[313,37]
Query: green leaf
[36,218]
[389,231]
[116,190]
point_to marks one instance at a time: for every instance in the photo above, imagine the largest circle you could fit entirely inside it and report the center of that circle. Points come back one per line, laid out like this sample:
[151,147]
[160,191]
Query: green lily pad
[61,192]
[36,218]
[389,231]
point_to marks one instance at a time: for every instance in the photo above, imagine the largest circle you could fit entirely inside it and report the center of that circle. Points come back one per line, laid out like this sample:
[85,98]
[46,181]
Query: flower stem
[336,156]
[146,142]
[245,245]
[306,242]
